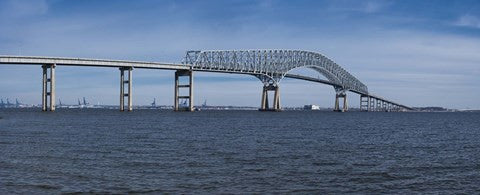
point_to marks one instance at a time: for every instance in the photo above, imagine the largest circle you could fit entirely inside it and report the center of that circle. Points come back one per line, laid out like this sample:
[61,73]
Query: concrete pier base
[265,106]
[177,106]
[365,103]
[371,104]
[337,103]
[48,88]
[378,106]
[126,79]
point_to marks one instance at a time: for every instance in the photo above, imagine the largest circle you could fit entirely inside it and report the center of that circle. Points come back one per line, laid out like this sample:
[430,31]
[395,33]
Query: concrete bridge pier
[177,105]
[48,89]
[378,107]
[337,102]
[365,103]
[371,104]
[265,106]
[128,93]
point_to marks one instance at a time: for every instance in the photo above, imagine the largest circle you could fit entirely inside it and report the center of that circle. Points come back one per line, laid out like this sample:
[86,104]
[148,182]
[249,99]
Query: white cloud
[368,7]
[468,20]
[373,6]
[265,3]
[22,8]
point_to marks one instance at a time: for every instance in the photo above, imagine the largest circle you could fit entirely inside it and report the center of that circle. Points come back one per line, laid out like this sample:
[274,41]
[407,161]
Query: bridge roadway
[294,76]
[373,102]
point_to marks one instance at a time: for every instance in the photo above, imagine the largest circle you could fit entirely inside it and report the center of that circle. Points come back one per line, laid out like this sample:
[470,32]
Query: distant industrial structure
[154,103]
[311,107]
[8,104]
[80,104]
[269,66]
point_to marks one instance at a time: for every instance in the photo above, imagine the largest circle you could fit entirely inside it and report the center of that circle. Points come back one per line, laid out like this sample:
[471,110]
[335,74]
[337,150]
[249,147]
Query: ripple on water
[151,151]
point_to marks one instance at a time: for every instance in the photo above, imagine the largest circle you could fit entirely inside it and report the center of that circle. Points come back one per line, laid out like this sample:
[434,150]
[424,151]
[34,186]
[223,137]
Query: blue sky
[420,53]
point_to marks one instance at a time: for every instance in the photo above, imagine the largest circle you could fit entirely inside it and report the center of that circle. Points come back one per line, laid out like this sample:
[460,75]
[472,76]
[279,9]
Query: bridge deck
[40,60]
[294,76]
[89,62]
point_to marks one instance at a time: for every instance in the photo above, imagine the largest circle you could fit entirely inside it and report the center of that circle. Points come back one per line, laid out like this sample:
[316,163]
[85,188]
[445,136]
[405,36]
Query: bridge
[269,66]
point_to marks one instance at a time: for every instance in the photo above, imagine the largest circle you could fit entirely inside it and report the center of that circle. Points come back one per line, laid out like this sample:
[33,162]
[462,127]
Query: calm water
[105,151]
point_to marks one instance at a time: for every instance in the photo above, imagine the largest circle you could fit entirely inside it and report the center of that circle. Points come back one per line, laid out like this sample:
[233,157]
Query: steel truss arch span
[273,65]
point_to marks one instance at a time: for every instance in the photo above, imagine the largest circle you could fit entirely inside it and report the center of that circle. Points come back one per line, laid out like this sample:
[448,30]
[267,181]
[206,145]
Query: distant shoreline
[232,108]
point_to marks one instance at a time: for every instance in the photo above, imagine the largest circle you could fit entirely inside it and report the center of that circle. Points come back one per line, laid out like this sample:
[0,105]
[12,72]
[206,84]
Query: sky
[418,53]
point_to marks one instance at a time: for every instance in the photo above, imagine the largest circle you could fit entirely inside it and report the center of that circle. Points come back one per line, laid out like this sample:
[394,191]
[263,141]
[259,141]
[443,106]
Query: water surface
[152,151]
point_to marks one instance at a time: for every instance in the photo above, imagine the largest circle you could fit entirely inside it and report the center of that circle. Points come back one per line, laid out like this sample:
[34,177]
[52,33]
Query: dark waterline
[105,151]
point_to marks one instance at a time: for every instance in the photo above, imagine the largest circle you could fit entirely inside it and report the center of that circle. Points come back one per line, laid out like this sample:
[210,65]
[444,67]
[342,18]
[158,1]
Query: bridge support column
[337,102]
[48,89]
[177,106]
[276,98]
[378,107]
[365,103]
[371,104]
[128,94]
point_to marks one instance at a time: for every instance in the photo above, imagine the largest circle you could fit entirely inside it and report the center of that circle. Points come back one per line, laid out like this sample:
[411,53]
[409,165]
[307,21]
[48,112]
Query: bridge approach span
[89,62]
[372,96]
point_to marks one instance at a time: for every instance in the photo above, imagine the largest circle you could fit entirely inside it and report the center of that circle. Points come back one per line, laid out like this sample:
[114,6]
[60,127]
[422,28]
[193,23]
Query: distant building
[431,109]
[311,107]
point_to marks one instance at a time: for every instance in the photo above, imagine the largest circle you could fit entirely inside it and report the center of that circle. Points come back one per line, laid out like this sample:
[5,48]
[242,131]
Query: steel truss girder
[272,65]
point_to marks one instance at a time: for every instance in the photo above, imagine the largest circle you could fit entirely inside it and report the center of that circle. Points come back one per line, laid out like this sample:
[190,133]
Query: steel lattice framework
[272,65]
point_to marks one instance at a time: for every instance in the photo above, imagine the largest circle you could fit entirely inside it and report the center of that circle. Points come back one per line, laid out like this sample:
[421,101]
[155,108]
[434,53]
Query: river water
[152,151]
